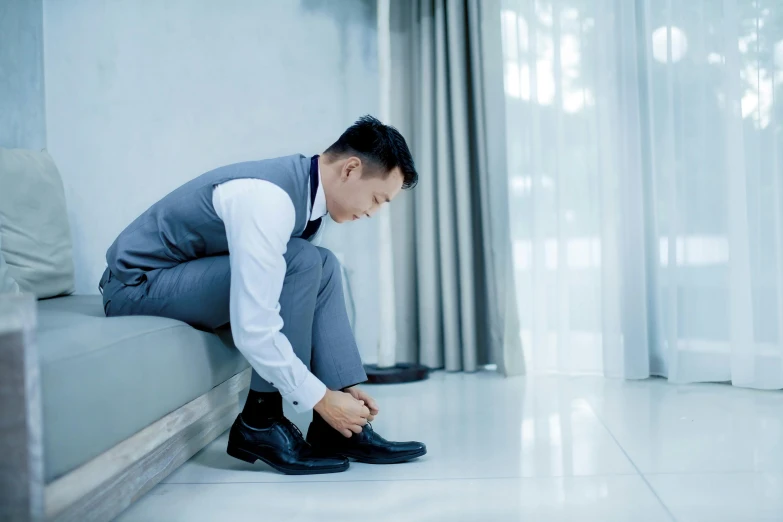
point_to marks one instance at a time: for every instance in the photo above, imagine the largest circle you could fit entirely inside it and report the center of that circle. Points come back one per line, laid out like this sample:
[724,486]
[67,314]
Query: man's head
[368,166]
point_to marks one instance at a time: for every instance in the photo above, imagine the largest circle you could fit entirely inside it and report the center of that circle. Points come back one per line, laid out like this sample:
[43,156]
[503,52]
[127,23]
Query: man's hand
[361,395]
[343,412]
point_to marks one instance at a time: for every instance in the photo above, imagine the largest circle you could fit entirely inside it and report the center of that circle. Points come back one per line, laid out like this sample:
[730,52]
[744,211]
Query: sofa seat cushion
[104,379]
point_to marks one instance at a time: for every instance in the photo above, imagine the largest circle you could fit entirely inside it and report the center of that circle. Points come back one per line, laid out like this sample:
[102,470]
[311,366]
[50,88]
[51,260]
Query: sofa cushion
[104,379]
[7,283]
[34,223]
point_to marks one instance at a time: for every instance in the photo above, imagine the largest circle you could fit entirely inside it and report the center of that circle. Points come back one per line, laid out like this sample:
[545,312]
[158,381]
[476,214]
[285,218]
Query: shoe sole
[395,460]
[250,457]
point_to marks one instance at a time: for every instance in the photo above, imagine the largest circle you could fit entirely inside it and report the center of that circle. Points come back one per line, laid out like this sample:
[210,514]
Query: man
[232,246]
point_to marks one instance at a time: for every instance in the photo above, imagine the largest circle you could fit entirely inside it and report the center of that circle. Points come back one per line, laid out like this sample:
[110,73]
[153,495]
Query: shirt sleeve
[259,217]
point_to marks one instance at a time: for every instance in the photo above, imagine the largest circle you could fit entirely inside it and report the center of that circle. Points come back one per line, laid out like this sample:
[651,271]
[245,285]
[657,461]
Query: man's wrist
[320,404]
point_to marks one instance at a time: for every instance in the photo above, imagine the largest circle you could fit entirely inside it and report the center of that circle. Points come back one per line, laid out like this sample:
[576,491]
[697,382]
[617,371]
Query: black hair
[383,145]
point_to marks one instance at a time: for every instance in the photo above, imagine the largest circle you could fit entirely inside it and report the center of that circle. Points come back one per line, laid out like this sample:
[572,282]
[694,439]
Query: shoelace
[295,429]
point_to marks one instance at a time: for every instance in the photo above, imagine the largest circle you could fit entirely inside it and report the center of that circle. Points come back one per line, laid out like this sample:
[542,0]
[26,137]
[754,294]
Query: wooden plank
[101,489]
[21,449]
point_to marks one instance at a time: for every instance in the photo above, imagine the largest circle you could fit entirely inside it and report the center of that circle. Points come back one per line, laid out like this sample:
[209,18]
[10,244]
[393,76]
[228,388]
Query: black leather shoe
[367,446]
[282,446]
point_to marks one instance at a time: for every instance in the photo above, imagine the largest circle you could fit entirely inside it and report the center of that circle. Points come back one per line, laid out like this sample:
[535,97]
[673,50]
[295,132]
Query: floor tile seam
[627,456]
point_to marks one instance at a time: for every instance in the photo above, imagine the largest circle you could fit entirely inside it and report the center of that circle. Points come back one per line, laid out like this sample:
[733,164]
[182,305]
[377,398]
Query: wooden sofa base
[102,488]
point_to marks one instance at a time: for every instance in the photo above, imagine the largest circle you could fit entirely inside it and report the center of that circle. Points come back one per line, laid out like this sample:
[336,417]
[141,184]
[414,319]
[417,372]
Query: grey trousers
[311,305]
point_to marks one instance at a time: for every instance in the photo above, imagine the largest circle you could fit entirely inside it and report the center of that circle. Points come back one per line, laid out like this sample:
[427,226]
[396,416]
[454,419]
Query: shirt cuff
[304,397]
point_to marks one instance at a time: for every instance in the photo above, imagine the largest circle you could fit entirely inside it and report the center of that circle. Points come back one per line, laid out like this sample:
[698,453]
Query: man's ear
[352,167]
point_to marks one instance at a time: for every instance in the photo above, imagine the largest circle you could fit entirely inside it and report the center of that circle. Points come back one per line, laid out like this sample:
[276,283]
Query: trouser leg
[335,360]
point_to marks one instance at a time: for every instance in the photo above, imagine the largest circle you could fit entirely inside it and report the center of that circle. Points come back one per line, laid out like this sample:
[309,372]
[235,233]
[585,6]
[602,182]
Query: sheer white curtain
[645,159]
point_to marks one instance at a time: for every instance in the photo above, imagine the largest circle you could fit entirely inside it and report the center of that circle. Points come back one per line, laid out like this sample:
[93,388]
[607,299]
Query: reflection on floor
[533,448]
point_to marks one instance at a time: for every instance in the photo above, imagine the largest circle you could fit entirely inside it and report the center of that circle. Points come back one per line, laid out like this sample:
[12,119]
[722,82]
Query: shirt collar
[319,205]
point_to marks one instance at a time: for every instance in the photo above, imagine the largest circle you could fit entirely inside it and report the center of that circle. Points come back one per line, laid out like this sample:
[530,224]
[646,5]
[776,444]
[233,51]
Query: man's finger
[356,429]
[346,433]
[370,402]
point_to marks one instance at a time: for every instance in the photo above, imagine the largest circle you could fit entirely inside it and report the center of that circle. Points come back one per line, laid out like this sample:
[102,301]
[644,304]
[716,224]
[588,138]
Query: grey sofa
[105,379]
[97,410]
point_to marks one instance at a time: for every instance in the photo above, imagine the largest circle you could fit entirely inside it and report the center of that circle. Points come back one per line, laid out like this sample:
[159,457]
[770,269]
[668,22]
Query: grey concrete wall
[22,110]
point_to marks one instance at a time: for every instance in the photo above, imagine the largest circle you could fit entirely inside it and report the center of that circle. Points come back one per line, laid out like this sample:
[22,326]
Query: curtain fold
[451,235]
[643,145]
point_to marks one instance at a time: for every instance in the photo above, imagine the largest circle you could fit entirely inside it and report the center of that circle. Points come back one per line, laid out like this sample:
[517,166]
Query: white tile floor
[535,448]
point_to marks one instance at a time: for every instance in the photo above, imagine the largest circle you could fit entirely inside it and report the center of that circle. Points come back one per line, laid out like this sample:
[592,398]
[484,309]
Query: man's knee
[302,256]
[329,262]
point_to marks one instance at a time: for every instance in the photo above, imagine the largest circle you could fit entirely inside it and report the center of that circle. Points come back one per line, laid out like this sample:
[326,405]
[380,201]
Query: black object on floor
[399,373]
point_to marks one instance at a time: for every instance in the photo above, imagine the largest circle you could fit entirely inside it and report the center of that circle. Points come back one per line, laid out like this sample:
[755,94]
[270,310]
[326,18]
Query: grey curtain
[455,294]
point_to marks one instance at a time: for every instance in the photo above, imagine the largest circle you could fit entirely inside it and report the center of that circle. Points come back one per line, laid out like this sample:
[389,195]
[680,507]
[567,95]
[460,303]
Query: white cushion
[7,283]
[36,239]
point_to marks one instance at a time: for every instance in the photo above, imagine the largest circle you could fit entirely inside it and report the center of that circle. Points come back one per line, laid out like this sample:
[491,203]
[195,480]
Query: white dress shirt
[259,218]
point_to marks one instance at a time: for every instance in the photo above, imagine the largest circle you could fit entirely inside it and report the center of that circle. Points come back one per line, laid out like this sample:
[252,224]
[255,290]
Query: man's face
[355,196]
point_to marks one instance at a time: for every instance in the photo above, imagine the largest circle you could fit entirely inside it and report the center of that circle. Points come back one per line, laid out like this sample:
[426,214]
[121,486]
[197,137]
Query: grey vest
[184,225]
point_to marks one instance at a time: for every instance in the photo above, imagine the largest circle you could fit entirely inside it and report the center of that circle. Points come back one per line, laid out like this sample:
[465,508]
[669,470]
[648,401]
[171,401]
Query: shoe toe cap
[322,458]
[329,463]
[412,447]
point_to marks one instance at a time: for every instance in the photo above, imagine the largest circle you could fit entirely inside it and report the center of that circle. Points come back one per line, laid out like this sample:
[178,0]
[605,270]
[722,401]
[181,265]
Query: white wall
[142,96]
[22,120]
